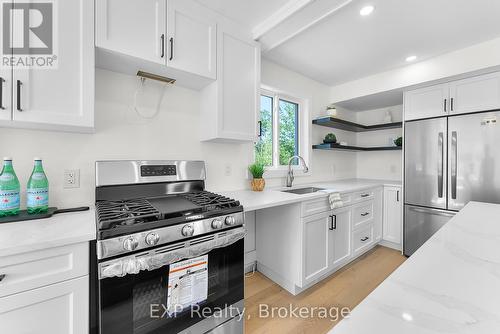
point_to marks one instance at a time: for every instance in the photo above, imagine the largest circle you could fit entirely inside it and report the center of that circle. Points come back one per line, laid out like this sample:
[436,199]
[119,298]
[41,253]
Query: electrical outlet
[71,178]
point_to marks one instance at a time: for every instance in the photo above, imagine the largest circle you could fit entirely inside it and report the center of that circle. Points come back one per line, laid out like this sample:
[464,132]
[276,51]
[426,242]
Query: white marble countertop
[450,285]
[61,229]
[252,200]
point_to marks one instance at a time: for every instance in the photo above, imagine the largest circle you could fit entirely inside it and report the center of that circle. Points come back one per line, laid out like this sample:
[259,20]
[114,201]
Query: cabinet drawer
[35,269]
[315,206]
[362,195]
[321,205]
[362,239]
[362,214]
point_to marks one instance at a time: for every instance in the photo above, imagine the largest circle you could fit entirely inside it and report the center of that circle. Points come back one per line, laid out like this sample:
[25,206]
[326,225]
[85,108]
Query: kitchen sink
[302,191]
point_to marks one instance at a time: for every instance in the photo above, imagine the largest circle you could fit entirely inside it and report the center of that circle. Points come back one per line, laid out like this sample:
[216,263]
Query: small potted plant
[330,139]
[257,170]
[398,141]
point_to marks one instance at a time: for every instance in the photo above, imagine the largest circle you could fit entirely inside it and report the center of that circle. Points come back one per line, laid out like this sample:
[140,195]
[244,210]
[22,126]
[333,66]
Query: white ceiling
[347,46]
[247,12]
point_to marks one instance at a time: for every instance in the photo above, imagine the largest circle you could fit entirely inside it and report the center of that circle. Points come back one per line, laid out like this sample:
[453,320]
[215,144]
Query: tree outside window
[279,131]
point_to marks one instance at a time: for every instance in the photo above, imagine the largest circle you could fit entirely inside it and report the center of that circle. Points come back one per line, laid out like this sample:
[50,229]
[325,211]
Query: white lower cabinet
[316,246]
[340,237]
[60,308]
[46,291]
[393,216]
[300,244]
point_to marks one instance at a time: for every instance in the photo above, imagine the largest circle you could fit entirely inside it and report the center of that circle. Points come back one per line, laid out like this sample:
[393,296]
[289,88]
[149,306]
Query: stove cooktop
[122,217]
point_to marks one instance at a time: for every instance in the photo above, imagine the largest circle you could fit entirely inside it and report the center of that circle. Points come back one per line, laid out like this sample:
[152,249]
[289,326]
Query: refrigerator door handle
[453,167]
[436,212]
[440,163]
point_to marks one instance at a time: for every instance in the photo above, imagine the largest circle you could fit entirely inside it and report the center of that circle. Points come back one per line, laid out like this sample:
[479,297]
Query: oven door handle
[166,255]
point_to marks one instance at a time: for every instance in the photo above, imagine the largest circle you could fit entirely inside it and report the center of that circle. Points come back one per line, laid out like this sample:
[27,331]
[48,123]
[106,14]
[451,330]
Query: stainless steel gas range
[169,254]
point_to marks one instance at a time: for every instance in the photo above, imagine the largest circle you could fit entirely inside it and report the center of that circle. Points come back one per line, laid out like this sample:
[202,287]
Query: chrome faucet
[289,176]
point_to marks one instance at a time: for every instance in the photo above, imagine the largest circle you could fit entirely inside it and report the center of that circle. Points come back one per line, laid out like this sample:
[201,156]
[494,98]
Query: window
[282,121]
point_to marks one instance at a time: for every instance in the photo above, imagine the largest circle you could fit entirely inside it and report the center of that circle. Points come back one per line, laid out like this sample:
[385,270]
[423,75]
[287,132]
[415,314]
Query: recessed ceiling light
[407,316]
[366,10]
[411,58]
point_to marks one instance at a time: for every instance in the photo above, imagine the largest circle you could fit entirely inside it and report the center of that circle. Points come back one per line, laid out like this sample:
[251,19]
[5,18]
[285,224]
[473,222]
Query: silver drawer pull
[365,195]
[365,214]
[364,239]
[2,276]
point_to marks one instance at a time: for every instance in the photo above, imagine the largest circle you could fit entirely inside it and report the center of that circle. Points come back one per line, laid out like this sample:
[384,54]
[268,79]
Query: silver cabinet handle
[365,214]
[2,80]
[2,276]
[364,239]
[162,38]
[454,159]
[397,196]
[440,164]
[19,84]
[365,195]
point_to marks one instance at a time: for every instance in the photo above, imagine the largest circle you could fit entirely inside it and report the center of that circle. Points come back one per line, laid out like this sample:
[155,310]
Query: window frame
[277,170]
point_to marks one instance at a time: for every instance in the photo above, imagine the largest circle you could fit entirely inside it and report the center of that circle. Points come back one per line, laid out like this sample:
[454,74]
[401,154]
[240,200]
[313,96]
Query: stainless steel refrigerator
[449,161]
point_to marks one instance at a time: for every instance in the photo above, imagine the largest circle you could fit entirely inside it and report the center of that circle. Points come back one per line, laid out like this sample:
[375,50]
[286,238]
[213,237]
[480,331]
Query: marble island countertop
[450,285]
[271,197]
[58,230]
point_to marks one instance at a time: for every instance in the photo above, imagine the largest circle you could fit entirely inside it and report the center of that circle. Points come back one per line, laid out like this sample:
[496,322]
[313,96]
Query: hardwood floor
[346,288]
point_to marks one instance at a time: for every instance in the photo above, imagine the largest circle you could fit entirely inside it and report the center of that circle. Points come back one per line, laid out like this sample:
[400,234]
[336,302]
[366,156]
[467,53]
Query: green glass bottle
[37,195]
[9,190]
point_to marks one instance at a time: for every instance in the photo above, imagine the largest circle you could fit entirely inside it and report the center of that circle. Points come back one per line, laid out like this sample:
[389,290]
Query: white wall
[325,165]
[379,164]
[172,134]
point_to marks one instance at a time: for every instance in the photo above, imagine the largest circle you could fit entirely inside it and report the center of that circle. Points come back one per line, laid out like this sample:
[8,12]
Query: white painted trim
[290,8]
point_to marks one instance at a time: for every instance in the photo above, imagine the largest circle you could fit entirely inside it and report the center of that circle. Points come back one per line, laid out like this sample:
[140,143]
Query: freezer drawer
[473,159]
[420,224]
[425,163]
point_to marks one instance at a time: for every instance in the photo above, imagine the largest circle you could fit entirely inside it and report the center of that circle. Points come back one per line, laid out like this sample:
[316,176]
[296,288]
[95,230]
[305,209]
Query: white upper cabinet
[393,212]
[230,105]
[5,94]
[481,93]
[62,97]
[426,102]
[191,39]
[133,27]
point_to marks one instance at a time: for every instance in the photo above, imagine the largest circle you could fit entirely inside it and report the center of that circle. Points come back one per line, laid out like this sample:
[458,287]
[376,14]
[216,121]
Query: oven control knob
[187,230]
[152,239]
[217,223]
[230,220]
[130,244]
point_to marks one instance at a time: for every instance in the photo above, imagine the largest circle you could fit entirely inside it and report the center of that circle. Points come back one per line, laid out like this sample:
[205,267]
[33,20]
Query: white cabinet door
[378,210]
[479,93]
[392,214]
[230,105]
[134,27]
[340,237]
[60,308]
[315,246]
[62,95]
[192,39]
[5,94]
[426,102]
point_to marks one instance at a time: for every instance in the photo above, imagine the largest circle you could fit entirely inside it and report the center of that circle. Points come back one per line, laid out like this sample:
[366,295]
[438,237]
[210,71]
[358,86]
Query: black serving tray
[24,215]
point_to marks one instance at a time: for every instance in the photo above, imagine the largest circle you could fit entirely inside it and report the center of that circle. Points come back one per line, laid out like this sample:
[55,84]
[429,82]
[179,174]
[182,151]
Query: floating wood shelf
[354,148]
[341,124]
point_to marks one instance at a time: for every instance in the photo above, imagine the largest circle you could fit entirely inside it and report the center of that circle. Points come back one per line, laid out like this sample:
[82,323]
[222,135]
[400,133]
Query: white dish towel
[335,201]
